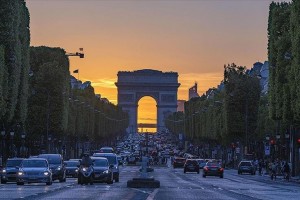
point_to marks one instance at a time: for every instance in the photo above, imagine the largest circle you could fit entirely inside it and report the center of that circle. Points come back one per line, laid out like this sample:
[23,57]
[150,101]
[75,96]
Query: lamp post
[12,133]
[287,147]
[2,145]
[278,145]
[49,142]
[23,148]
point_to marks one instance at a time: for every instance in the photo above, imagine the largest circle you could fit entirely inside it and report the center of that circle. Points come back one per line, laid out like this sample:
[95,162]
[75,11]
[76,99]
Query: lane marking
[143,191]
[152,195]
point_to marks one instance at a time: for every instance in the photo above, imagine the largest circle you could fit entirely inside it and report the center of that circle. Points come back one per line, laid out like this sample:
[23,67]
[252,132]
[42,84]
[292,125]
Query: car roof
[35,159]
[104,154]
[98,158]
[15,158]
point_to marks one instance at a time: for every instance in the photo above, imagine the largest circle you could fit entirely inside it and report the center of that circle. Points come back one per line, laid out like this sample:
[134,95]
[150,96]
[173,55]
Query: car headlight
[20,173]
[105,172]
[58,168]
[3,171]
[84,169]
[76,170]
[46,173]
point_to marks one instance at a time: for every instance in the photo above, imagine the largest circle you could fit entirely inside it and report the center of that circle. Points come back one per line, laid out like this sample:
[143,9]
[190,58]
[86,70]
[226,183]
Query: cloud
[104,83]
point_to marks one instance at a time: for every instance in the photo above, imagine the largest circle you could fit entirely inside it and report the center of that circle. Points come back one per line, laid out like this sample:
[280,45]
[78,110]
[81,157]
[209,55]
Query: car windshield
[111,158]
[194,162]
[100,162]
[245,164]
[13,163]
[53,160]
[72,163]
[34,163]
[211,164]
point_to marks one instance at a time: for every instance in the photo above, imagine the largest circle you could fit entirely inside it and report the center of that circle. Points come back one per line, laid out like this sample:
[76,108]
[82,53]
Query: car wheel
[4,182]
[20,183]
[221,176]
[117,179]
[204,176]
[184,171]
[198,172]
[49,183]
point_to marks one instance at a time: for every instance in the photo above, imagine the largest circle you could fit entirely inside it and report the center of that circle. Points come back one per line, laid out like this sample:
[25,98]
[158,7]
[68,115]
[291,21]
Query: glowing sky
[192,37]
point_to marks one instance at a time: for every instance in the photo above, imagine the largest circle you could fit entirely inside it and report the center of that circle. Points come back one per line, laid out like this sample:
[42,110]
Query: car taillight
[205,168]
[221,169]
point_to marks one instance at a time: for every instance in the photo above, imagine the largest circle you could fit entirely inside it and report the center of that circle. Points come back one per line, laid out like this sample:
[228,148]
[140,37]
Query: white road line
[152,195]
[143,191]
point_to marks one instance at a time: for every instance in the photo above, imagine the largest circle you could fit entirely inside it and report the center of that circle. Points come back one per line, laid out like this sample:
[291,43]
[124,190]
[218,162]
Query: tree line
[239,112]
[36,96]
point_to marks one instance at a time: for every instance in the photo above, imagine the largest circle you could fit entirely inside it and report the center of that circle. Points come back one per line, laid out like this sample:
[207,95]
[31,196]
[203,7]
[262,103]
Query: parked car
[246,167]
[191,165]
[213,169]
[71,168]
[112,159]
[9,172]
[56,165]
[34,170]
[102,170]
[178,162]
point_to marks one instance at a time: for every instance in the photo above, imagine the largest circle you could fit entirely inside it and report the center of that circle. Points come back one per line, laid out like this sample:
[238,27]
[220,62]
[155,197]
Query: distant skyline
[193,38]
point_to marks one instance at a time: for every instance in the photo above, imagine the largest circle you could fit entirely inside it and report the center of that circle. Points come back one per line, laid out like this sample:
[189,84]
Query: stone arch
[161,86]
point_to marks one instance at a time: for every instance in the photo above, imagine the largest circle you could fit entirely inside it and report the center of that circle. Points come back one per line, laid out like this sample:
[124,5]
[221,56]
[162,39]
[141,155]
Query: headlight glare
[58,168]
[84,169]
[105,172]
[46,173]
[20,173]
[3,171]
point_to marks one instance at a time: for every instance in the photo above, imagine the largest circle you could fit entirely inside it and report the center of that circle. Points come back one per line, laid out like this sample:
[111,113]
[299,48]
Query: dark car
[34,170]
[9,172]
[56,165]
[213,169]
[246,167]
[191,165]
[112,160]
[102,170]
[201,163]
[178,162]
[72,168]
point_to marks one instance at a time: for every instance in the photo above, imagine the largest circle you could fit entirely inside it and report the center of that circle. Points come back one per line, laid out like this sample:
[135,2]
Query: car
[201,163]
[71,168]
[178,162]
[213,169]
[106,150]
[56,165]
[191,165]
[113,160]
[246,167]
[120,159]
[102,170]
[34,170]
[9,172]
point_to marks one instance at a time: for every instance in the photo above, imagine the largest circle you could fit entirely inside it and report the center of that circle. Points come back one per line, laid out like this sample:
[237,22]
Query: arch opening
[147,115]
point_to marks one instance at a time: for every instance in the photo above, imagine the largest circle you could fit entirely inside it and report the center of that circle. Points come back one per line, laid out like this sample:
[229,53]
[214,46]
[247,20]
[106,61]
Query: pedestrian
[286,170]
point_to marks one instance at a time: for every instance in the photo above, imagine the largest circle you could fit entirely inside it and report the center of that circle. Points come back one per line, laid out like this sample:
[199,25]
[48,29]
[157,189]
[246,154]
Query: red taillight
[205,168]
[221,169]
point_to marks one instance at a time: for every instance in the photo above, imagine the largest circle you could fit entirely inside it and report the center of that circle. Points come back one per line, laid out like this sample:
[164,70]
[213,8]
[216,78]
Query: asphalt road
[174,185]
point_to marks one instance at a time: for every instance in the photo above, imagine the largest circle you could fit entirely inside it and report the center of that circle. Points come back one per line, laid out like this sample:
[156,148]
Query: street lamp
[287,147]
[2,145]
[12,133]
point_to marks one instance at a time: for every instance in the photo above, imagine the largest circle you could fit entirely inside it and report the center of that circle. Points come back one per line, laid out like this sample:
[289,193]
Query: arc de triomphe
[161,86]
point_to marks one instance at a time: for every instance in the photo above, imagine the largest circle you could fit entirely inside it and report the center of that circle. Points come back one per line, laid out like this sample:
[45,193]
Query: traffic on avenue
[181,175]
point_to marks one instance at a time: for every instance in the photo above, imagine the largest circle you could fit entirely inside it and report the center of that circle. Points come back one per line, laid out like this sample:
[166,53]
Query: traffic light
[272,142]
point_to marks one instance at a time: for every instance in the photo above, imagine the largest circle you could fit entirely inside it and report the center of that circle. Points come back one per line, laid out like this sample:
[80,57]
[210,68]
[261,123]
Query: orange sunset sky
[192,37]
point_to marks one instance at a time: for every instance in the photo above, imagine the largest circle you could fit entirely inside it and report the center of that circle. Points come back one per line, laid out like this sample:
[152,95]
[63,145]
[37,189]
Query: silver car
[34,170]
